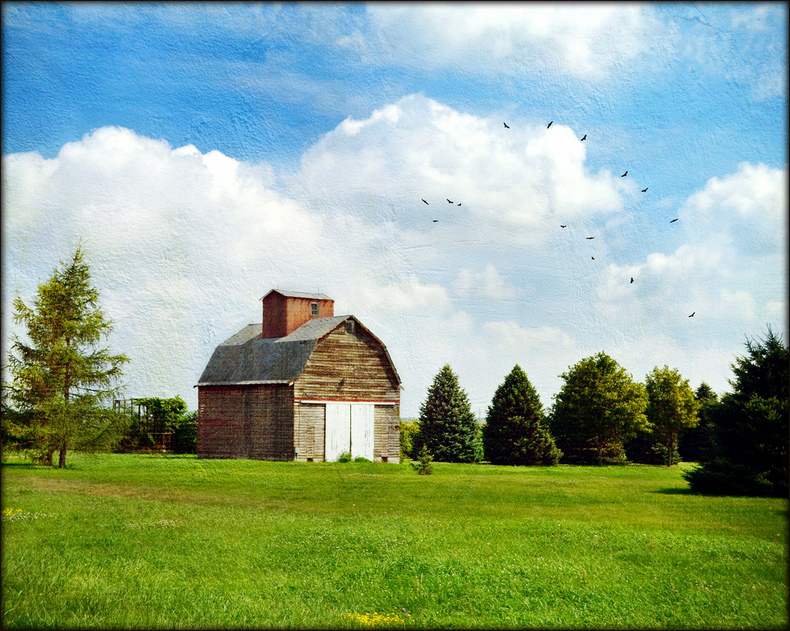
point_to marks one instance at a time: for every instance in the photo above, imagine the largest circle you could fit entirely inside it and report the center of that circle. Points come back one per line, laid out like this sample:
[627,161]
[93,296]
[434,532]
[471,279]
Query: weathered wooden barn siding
[348,366]
[386,433]
[255,421]
[270,416]
[309,431]
[221,426]
[284,314]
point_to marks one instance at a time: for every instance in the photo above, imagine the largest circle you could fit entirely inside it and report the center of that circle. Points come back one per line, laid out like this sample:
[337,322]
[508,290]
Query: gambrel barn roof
[247,359]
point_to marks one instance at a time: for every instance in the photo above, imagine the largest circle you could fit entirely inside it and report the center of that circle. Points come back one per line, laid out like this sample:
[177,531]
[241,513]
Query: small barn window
[350,327]
[313,308]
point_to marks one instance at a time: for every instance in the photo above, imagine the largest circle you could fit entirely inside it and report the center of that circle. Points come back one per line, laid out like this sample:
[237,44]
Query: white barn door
[362,431]
[349,427]
[338,435]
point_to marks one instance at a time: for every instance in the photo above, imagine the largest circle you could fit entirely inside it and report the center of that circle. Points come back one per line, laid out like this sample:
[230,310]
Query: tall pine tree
[447,425]
[61,378]
[750,426]
[514,433]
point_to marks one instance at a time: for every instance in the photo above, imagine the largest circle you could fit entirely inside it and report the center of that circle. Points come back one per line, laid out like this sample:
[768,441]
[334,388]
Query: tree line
[63,382]
[601,415]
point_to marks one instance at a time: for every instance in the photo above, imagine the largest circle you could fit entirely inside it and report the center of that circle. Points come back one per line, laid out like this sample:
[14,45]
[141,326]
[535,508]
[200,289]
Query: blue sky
[205,153]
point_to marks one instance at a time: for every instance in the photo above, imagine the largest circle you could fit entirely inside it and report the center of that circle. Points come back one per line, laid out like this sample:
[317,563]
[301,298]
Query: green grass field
[132,541]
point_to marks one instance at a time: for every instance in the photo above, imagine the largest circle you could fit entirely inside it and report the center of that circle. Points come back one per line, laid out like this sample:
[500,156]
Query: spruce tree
[61,378]
[447,425]
[514,433]
[751,426]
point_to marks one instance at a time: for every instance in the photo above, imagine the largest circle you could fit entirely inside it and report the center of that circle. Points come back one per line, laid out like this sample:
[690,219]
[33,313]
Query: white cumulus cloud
[513,38]
[502,185]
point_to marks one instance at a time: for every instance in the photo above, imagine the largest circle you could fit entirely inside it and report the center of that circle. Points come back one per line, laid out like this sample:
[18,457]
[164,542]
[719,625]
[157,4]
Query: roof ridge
[297,294]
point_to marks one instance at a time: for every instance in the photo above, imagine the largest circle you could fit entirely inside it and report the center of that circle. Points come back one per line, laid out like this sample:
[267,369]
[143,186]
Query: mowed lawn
[134,541]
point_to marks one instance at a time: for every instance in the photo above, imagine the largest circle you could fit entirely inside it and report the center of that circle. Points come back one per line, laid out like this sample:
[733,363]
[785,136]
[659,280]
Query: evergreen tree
[448,427]
[514,433]
[423,466]
[696,445]
[61,378]
[671,408]
[599,406]
[751,425]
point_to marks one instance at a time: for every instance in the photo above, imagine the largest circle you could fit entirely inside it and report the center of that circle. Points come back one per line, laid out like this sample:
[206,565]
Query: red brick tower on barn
[286,311]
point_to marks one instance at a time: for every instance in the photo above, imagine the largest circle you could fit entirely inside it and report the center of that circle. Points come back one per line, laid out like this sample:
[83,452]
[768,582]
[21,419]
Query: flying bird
[565,226]
[435,221]
[585,138]
[624,174]
[459,203]
[632,279]
[644,190]
[592,257]
[425,201]
[692,315]
[506,125]
[549,125]
[589,237]
[448,201]
[674,220]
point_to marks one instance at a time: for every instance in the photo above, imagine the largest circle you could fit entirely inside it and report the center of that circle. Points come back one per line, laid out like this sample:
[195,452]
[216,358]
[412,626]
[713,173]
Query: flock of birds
[583,138]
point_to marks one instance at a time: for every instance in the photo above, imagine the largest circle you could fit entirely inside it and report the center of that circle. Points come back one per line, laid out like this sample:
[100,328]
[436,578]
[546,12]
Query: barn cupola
[286,311]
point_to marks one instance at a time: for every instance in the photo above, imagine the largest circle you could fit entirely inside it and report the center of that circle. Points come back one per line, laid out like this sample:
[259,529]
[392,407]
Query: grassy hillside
[151,542]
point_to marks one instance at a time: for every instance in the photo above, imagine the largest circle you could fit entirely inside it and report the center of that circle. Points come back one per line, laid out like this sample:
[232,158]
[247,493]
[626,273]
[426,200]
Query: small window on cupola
[313,308]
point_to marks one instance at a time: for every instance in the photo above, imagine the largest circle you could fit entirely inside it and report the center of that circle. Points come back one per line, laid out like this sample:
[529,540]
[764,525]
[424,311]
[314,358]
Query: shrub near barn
[159,424]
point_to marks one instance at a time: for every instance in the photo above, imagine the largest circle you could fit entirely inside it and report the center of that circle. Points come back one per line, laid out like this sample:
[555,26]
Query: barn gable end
[349,363]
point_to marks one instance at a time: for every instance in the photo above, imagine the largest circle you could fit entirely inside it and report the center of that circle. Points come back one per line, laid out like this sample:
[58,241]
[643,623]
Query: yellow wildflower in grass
[15,514]
[11,513]
[376,619]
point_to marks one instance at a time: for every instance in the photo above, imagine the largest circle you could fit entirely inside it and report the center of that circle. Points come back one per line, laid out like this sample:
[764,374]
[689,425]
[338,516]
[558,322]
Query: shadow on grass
[676,491]
[24,465]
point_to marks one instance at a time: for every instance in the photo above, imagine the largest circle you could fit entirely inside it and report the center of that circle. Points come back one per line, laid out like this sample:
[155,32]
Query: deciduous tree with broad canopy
[515,433]
[61,378]
[671,408]
[599,405]
[751,426]
[448,427]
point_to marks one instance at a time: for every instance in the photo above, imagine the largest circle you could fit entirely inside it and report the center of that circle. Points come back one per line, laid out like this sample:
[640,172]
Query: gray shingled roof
[298,294]
[246,358]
